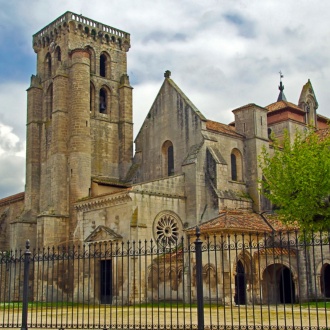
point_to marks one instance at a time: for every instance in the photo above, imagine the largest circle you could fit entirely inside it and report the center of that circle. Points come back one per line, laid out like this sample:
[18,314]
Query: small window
[103,63]
[103,101]
[58,54]
[48,65]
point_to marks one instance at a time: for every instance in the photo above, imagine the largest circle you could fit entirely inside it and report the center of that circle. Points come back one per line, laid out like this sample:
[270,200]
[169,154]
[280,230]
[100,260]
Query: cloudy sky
[222,54]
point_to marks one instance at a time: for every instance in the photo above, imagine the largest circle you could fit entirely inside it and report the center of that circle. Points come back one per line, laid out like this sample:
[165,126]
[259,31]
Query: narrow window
[48,66]
[170,161]
[49,102]
[103,101]
[168,158]
[233,167]
[103,62]
[236,161]
[58,54]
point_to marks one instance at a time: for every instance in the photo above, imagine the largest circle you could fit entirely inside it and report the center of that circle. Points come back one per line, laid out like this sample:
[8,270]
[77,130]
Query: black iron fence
[239,281]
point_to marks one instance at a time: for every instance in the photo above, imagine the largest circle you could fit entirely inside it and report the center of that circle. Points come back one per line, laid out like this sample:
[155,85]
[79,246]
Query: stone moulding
[101,202]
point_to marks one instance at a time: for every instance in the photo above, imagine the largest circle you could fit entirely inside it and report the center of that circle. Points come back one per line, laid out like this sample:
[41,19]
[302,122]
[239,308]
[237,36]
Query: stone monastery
[83,183]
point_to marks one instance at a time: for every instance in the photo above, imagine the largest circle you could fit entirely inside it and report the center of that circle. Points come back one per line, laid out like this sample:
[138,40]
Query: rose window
[167,230]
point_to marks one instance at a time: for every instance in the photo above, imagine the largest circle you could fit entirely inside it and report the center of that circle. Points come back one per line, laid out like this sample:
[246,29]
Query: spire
[281,96]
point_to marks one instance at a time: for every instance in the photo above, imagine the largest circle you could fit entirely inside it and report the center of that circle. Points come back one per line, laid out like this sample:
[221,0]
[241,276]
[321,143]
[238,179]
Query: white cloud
[12,161]
[13,107]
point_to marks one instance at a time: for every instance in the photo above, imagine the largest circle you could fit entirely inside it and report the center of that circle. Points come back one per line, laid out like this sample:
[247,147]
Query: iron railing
[227,281]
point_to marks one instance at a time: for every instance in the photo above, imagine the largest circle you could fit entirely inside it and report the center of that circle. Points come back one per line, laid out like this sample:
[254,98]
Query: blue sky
[222,54]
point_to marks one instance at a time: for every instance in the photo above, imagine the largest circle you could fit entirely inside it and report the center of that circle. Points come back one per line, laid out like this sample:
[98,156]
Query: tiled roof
[278,225]
[281,105]
[12,199]
[238,221]
[221,128]
[247,106]
[277,251]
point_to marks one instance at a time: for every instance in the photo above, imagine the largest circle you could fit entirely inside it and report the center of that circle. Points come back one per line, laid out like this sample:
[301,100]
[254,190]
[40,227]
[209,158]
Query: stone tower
[251,122]
[79,122]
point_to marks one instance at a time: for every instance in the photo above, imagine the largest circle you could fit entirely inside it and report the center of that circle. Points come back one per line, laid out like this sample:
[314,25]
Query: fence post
[27,256]
[199,281]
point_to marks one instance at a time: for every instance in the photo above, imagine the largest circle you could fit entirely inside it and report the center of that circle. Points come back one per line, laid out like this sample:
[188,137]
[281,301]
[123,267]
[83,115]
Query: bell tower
[79,122]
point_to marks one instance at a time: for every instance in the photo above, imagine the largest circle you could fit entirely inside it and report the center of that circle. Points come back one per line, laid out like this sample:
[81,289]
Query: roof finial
[167,74]
[281,96]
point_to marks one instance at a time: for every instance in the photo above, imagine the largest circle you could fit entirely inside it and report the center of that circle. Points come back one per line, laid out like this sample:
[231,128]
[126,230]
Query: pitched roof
[275,221]
[281,105]
[221,128]
[235,220]
[240,221]
[12,199]
[277,251]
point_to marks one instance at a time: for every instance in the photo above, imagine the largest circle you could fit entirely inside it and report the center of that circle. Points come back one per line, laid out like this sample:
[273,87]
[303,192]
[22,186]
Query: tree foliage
[297,179]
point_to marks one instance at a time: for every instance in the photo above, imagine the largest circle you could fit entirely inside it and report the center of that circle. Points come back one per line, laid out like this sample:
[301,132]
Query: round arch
[168,158]
[104,100]
[105,65]
[278,284]
[236,162]
[48,66]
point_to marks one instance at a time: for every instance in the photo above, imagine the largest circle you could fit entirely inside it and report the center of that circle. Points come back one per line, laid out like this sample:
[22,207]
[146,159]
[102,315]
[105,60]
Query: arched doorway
[325,280]
[286,286]
[277,285]
[240,284]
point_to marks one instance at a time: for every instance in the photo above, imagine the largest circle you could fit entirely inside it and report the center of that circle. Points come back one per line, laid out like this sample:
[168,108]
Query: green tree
[297,179]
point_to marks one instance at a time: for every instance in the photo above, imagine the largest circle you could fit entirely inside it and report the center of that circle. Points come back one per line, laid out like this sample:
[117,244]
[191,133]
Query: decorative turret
[308,103]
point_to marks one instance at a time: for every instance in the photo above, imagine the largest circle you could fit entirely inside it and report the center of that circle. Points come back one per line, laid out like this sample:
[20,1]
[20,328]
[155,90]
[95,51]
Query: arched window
[48,65]
[49,102]
[233,167]
[103,64]
[170,160]
[58,54]
[236,165]
[103,101]
[168,157]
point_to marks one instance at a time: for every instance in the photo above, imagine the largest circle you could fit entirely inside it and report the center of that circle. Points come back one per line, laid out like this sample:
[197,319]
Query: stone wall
[11,209]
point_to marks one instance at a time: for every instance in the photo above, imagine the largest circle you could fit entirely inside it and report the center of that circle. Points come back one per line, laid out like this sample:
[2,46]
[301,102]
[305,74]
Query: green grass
[315,304]
[154,305]
[38,304]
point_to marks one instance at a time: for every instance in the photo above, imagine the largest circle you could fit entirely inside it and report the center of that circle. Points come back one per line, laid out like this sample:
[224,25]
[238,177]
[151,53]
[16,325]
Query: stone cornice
[99,202]
[157,194]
